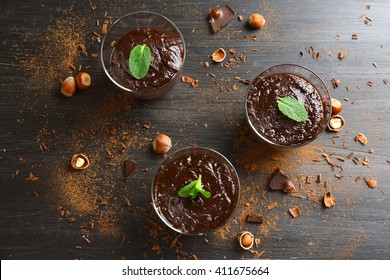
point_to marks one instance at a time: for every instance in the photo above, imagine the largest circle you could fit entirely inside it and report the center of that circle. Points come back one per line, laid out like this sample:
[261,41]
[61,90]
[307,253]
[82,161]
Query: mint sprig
[139,61]
[193,189]
[293,109]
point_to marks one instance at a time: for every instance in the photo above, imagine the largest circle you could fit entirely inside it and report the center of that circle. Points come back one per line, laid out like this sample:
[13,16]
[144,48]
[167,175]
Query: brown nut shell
[80,162]
[83,80]
[246,240]
[336,123]
[329,200]
[219,55]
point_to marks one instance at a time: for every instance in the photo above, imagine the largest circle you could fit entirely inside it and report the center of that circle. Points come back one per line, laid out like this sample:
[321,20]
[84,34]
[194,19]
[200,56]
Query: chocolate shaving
[130,167]
[227,14]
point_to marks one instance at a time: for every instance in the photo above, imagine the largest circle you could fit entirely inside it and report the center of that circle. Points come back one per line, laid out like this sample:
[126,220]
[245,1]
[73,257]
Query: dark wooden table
[49,211]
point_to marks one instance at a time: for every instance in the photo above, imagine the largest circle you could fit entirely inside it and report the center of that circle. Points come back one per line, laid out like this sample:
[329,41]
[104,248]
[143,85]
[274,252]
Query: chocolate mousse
[268,121]
[197,215]
[167,59]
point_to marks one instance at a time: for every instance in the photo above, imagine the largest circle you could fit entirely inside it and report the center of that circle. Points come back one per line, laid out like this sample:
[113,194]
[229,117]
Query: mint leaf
[193,188]
[293,109]
[139,61]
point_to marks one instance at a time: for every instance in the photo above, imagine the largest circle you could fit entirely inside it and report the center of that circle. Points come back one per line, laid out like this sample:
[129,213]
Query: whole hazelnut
[215,13]
[337,106]
[289,187]
[68,87]
[83,80]
[256,21]
[162,144]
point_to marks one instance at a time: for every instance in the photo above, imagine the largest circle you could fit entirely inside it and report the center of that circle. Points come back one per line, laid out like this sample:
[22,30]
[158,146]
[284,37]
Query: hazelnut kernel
[246,240]
[256,21]
[79,161]
[162,144]
[337,106]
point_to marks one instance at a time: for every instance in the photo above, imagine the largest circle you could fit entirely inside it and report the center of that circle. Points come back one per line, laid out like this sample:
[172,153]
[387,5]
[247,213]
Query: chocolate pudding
[167,59]
[199,215]
[267,120]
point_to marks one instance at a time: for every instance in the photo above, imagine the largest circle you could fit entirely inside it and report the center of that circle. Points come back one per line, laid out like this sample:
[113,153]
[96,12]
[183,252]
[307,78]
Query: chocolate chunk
[279,180]
[254,218]
[225,15]
[130,167]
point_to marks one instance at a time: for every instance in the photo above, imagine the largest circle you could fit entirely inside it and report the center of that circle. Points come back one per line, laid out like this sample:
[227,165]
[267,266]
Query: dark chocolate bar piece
[224,15]
[130,167]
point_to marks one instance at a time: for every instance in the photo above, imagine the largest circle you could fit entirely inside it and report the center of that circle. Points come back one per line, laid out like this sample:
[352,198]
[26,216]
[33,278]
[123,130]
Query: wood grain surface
[49,211]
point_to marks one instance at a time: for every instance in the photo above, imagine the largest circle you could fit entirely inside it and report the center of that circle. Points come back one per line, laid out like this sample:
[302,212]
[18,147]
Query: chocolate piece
[225,15]
[254,218]
[130,167]
[278,181]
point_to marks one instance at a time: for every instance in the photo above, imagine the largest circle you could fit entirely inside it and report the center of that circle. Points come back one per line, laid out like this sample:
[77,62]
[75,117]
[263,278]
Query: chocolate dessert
[268,121]
[167,59]
[197,215]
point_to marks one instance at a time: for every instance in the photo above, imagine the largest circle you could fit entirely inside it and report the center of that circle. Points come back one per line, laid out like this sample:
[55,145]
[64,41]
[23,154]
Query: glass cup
[199,215]
[159,79]
[269,124]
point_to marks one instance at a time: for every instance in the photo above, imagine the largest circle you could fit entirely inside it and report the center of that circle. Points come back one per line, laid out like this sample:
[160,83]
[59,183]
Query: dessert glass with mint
[195,191]
[143,54]
[288,106]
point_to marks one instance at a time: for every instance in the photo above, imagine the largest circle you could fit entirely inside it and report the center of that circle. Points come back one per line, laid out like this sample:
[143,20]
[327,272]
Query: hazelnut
[289,187]
[83,80]
[215,13]
[256,21]
[336,106]
[68,87]
[79,161]
[162,144]
[246,240]
[371,183]
[219,55]
[336,123]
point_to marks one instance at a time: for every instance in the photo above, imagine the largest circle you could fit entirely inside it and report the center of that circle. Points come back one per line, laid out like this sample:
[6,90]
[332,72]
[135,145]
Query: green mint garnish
[193,188]
[139,61]
[293,109]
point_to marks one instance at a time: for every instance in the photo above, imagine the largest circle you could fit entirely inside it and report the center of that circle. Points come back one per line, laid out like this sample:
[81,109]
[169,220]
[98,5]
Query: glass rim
[192,150]
[122,18]
[288,71]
